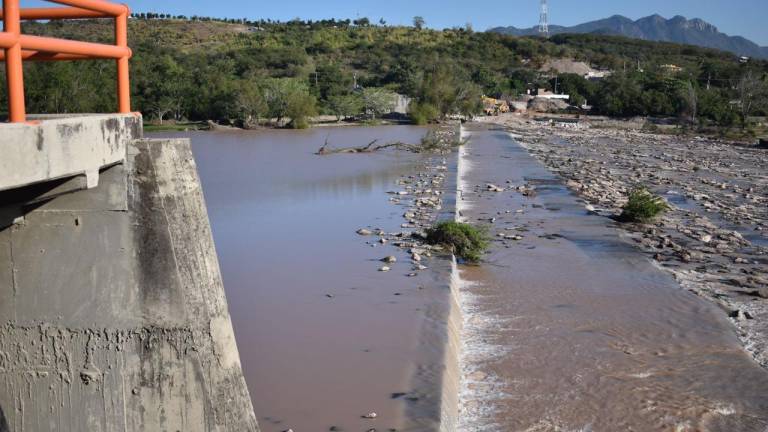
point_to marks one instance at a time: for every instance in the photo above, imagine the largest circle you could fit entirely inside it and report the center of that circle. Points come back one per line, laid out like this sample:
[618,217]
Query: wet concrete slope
[567,327]
[112,311]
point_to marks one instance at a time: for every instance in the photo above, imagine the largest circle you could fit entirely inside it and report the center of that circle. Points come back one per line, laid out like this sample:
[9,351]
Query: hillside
[656,28]
[238,71]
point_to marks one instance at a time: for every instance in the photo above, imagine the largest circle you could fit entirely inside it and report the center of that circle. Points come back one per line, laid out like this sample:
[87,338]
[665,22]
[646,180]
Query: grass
[642,207]
[465,241]
[172,127]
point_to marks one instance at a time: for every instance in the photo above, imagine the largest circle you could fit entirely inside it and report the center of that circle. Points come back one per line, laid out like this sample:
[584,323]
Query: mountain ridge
[677,29]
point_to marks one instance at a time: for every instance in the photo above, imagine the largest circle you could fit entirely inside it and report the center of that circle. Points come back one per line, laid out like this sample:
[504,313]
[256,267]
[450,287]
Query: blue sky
[748,18]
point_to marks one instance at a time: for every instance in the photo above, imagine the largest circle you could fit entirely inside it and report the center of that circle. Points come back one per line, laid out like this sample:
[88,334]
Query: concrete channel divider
[113,314]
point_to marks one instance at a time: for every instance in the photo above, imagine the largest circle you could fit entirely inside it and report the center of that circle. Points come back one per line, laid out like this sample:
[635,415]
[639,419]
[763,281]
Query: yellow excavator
[493,106]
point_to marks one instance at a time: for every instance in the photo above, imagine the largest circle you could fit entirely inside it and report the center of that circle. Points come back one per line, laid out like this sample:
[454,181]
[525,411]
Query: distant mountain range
[657,28]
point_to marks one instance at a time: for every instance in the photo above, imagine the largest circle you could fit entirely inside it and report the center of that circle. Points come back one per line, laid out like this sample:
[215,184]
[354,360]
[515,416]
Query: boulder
[540,104]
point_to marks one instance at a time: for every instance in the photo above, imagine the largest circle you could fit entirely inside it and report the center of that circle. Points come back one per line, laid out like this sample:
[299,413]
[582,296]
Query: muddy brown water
[323,336]
[571,329]
[568,329]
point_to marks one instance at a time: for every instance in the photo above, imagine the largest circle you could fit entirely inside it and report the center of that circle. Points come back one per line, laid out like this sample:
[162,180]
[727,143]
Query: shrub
[643,206]
[300,107]
[422,113]
[439,139]
[378,101]
[465,241]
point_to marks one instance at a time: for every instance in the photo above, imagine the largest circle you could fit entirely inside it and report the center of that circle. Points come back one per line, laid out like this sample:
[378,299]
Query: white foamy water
[479,393]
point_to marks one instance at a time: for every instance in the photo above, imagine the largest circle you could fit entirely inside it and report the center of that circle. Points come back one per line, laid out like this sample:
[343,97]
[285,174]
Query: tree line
[209,70]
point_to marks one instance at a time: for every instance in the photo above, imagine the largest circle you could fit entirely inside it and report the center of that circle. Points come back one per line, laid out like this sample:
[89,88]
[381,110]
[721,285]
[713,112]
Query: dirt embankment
[715,238]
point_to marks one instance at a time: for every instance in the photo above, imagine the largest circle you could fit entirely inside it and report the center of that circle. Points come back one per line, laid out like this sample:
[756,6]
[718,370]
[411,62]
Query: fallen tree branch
[370,148]
[435,141]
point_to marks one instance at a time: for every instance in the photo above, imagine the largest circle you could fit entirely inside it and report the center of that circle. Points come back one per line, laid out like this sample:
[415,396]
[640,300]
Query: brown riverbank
[317,121]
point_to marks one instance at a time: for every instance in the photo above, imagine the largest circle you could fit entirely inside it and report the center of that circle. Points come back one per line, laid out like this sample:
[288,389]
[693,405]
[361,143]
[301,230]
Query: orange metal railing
[16,47]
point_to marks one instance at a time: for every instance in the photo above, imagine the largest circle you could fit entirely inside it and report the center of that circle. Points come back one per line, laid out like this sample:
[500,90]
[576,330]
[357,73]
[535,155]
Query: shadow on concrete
[3,422]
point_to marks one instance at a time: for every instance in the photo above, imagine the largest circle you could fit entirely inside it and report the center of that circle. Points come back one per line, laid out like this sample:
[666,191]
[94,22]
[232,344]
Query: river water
[569,328]
[565,328]
[324,337]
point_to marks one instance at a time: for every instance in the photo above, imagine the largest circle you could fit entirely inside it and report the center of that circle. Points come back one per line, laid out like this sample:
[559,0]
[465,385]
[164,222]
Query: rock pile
[421,196]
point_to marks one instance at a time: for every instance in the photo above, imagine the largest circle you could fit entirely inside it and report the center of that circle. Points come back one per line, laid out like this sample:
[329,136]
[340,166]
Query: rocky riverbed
[420,195]
[714,240]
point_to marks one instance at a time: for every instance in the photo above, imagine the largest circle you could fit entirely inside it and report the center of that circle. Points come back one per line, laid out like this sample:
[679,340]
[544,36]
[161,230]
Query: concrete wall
[62,147]
[112,311]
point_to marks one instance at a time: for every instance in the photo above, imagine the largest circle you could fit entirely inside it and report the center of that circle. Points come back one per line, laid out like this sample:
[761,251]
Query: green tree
[418,22]
[576,86]
[469,100]
[378,101]
[752,95]
[250,103]
[331,80]
[345,105]
[715,106]
[300,106]
[164,90]
[422,113]
[690,102]
[620,96]
[284,97]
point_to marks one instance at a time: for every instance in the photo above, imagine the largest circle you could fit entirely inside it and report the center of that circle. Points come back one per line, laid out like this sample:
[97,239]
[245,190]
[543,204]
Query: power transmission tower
[544,19]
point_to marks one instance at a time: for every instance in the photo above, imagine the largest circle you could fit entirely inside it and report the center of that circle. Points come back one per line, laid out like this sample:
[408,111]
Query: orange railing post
[14,72]
[123,85]
[16,47]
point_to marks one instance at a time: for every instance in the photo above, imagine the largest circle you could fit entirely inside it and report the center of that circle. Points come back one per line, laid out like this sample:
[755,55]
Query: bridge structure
[18,47]
[113,314]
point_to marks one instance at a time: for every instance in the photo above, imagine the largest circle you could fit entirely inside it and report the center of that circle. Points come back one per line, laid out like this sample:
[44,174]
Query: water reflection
[324,337]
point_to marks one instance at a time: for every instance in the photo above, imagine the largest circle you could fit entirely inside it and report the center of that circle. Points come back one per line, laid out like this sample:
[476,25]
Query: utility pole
[544,19]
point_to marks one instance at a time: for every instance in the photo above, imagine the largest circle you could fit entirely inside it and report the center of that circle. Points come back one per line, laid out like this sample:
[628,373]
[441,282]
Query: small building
[550,95]
[596,75]
[402,104]
[743,59]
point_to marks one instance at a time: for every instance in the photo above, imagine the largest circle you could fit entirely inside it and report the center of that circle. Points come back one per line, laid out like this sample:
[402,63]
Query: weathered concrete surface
[62,147]
[112,311]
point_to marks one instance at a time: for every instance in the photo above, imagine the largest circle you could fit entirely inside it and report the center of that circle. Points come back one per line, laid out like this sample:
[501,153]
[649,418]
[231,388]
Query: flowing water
[565,328]
[570,328]
[323,336]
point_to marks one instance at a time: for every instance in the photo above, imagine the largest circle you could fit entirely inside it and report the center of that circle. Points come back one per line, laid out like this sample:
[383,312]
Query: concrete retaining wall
[112,310]
[63,147]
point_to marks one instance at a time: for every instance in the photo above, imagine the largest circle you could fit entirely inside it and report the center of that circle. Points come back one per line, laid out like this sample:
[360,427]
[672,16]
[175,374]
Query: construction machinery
[493,106]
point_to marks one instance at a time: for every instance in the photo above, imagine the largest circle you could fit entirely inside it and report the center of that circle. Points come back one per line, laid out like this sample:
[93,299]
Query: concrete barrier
[113,315]
[64,147]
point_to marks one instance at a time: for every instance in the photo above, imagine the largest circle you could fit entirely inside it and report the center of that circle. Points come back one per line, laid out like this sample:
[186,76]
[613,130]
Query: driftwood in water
[441,140]
[370,148]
